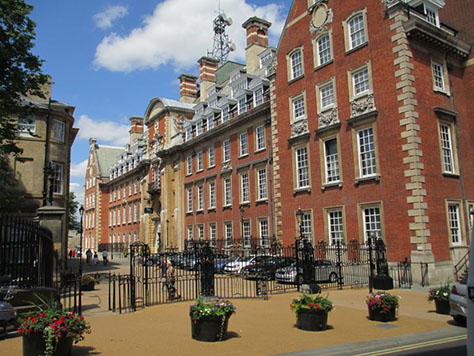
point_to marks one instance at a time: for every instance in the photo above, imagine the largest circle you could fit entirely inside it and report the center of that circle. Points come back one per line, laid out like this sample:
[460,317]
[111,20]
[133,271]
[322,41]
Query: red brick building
[371,128]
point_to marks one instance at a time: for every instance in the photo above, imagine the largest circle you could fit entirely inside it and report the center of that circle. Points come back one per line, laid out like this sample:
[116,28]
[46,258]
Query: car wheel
[459,319]
[333,277]
[3,329]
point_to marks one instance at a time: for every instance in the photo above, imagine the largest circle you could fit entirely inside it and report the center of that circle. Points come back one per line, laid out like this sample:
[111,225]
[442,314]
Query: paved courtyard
[258,328]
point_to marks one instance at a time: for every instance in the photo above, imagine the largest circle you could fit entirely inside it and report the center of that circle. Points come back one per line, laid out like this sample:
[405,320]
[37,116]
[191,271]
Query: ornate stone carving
[328,118]
[226,166]
[271,69]
[321,18]
[299,127]
[362,105]
[178,122]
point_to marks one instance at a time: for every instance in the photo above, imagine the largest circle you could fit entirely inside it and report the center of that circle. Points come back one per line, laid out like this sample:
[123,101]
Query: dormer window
[235,77]
[210,121]
[213,103]
[225,114]
[265,59]
[432,15]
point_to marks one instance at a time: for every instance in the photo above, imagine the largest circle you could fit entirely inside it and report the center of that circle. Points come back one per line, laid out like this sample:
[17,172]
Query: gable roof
[106,157]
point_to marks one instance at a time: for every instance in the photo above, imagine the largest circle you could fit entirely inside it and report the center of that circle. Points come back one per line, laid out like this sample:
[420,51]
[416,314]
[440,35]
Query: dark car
[265,267]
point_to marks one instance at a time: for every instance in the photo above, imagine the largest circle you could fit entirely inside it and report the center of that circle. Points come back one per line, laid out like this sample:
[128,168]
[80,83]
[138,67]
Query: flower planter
[377,315]
[442,306]
[88,286]
[210,328]
[312,320]
[34,345]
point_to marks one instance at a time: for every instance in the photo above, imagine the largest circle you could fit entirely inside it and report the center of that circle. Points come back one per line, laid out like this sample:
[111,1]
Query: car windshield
[244,259]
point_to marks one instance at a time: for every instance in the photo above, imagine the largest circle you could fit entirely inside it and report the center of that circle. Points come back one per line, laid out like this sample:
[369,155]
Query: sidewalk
[258,328]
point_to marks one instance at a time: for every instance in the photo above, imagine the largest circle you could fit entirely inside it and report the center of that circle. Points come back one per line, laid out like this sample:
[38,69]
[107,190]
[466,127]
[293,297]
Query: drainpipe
[46,170]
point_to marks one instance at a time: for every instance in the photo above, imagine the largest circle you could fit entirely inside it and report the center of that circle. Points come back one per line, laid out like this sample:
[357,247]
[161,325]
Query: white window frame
[454,223]
[213,234]
[302,167]
[372,221]
[260,137]
[227,185]
[262,192]
[189,229]
[59,130]
[357,36]
[324,50]
[335,226]
[26,126]
[296,64]
[228,237]
[189,165]
[246,230]
[361,82]
[263,232]
[212,194]
[298,107]
[244,187]
[189,199]
[57,169]
[446,144]
[211,156]
[367,155]
[438,71]
[226,150]
[244,146]
[327,96]
[331,163]
[200,163]
[200,196]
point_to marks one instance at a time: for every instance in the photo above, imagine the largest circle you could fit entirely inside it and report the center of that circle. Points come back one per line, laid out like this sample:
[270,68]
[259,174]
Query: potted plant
[209,319]
[311,312]
[51,331]
[440,296]
[382,306]
[88,282]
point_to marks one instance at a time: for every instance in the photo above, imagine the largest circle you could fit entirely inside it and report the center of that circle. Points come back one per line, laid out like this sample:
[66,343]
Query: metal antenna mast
[222,44]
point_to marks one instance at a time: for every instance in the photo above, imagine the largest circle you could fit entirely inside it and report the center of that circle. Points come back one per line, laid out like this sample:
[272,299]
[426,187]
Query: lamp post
[81,211]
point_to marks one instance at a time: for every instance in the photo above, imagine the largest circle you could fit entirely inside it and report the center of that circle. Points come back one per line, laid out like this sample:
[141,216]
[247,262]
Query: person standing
[96,258]
[104,256]
[88,256]
[170,281]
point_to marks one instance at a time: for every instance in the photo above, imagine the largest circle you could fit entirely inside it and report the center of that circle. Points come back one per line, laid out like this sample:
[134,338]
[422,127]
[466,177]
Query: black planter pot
[312,320]
[34,345]
[210,328]
[88,286]
[377,315]
[442,306]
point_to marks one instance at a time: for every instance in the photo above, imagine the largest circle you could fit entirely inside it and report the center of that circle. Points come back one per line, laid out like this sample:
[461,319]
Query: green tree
[73,207]
[20,74]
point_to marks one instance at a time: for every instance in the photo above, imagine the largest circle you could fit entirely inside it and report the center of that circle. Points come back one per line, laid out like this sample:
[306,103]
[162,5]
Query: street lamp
[299,219]
[81,211]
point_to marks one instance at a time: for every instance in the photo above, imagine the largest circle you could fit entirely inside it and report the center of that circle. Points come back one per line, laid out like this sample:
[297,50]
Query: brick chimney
[207,74]
[257,41]
[187,88]
[136,128]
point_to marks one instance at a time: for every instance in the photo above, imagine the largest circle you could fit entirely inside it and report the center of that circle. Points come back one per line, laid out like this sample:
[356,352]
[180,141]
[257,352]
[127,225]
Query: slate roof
[107,156]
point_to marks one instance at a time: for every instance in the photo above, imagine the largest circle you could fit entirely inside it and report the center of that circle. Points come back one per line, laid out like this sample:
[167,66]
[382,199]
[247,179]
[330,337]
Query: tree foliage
[20,69]
[73,208]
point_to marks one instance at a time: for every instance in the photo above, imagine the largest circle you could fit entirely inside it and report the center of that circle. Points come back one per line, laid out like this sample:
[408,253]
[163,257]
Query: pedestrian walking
[73,253]
[170,282]
[88,256]
[96,258]
[104,256]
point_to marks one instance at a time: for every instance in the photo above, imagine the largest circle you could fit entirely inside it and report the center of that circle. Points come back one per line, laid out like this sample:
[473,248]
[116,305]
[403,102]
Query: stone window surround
[294,166]
[323,137]
[454,154]
[321,85]
[461,227]
[345,27]
[309,212]
[350,74]
[241,175]
[288,63]
[328,210]
[442,63]
[292,99]
[360,216]
[317,63]
[257,188]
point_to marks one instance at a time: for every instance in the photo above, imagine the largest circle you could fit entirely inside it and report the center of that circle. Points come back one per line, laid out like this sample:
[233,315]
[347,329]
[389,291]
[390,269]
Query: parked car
[324,271]
[458,301]
[220,261]
[238,264]
[265,267]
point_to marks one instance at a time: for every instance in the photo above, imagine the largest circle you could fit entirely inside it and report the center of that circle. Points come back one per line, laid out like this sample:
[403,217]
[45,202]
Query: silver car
[325,271]
[458,301]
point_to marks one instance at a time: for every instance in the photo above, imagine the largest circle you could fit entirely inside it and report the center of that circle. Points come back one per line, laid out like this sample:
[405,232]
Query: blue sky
[110,58]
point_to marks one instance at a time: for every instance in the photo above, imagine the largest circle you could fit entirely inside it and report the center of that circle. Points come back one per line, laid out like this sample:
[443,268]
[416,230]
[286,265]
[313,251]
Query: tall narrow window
[201,232]
[246,232]
[356,31]
[58,177]
[296,64]
[302,172]
[260,137]
[211,157]
[212,234]
[245,192]
[189,229]
[227,192]
[242,105]
[324,49]
[262,184]
[372,225]
[327,96]
[200,196]
[336,227]
[258,96]
[244,150]
[367,162]
[130,213]
[454,224]
[360,81]
[438,76]
[331,161]
[307,226]
[446,148]
[189,192]
[199,161]
[212,194]
[298,108]
[228,233]
[432,16]
[189,164]
[58,130]
[226,150]
[263,232]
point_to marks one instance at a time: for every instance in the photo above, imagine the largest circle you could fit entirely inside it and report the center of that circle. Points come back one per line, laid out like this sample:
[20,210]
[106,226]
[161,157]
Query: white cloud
[79,170]
[78,190]
[104,19]
[179,32]
[104,131]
